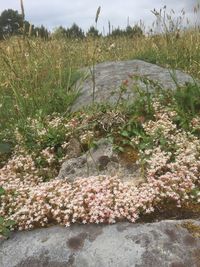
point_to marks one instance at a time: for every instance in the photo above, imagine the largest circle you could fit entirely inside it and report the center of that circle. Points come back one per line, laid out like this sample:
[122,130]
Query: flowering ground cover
[168,150]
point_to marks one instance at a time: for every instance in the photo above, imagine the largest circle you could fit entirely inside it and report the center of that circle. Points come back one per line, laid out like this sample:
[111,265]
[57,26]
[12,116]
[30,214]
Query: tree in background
[59,33]
[117,33]
[134,31]
[75,32]
[11,23]
[93,32]
[41,32]
[137,31]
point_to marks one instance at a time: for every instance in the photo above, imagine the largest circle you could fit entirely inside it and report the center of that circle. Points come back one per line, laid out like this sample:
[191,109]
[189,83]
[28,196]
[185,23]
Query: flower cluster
[172,174]
[19,171]
[175,168]
[195,123]
[48,154]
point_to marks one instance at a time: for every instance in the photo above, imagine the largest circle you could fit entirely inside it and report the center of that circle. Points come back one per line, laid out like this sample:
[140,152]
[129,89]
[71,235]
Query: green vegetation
[38,86]
[5,224]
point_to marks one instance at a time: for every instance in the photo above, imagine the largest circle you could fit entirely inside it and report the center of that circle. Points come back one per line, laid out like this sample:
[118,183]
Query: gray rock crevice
[102,160]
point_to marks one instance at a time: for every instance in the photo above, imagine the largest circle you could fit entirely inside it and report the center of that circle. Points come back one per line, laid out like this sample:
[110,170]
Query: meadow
[38,86]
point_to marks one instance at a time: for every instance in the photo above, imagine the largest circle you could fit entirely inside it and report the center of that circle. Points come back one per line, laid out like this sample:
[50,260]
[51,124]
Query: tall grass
[37,76]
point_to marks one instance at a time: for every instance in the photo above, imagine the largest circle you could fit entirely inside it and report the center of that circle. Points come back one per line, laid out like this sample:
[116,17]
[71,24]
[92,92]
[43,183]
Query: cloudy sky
[53,13]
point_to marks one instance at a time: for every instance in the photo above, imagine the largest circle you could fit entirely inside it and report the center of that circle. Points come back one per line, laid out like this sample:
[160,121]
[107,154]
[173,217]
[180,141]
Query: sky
[53,13]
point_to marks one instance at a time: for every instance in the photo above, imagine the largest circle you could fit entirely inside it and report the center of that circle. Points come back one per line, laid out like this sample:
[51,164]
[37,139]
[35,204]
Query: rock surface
[161,244]
[101,160]
[110,75]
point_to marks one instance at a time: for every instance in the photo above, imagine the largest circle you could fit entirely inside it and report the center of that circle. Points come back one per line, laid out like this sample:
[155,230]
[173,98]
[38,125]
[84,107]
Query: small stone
[102,160]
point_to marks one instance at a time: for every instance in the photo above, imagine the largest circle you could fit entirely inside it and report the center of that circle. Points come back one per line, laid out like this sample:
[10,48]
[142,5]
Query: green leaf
[126,142]
[2,191]
[195,191]
[1,220]
[4,148]
[129,128]
[121,149]
[143,145]
[125,133]
[9,223]
[5,232]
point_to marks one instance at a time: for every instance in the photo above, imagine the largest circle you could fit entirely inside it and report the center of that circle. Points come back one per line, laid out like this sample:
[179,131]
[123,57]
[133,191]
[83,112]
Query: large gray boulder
[110,75]
[161,244]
